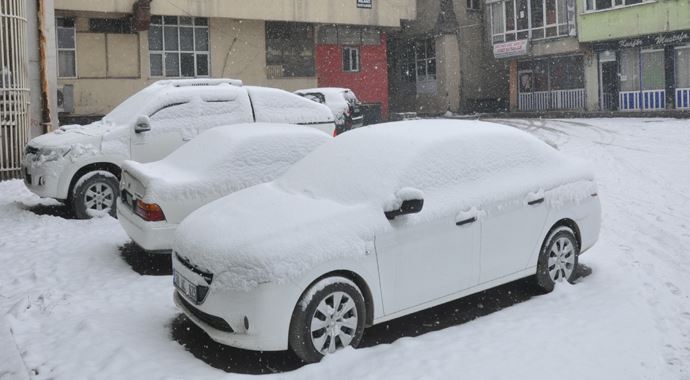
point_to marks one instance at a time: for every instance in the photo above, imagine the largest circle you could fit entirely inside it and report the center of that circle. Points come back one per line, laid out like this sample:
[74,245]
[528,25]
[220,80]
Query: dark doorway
[609,86]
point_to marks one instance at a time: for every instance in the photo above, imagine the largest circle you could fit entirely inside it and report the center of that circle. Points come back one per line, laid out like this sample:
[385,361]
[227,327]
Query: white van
[80,165]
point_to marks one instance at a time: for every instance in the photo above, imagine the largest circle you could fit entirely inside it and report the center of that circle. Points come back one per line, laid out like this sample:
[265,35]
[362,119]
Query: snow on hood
[265,234]
[331,203]
[226,159]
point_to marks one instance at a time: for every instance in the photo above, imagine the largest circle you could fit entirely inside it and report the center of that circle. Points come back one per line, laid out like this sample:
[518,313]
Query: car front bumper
[155,237]
[42,180]
[267,310]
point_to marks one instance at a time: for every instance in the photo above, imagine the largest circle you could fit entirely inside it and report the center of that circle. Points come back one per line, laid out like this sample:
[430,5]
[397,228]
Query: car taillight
[150,212]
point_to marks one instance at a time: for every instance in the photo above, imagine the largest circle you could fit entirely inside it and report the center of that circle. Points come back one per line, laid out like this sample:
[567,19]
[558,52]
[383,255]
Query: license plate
[184,285]
[126,198]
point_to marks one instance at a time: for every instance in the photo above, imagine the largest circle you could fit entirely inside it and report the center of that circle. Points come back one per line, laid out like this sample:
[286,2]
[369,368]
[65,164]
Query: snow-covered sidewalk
[77,310]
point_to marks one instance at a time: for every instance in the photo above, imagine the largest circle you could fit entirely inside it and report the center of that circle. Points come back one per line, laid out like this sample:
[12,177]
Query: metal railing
[14,87]
[647,100]
[683,98]
[552,100]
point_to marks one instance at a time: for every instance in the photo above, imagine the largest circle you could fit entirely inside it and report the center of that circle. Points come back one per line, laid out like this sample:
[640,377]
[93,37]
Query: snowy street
[76,305]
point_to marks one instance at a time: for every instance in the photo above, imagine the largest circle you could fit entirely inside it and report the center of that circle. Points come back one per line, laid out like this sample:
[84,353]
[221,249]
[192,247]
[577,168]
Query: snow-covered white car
[80,165]
[382,222]
[342,101]
[155,197]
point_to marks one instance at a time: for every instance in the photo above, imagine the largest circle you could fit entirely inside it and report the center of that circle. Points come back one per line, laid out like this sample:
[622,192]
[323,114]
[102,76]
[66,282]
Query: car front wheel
[329,317]
[94,195]
[558,258]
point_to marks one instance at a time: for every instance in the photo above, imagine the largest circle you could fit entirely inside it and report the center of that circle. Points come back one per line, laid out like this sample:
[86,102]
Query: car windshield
[352,168]
[131,108]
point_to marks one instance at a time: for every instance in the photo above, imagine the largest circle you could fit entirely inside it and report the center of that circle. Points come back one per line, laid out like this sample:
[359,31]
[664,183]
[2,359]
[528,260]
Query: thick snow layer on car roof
[374,162]
[278,106]
[225,159]
[331,204]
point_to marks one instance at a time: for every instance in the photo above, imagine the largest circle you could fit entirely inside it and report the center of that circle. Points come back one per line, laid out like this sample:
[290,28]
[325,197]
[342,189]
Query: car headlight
[52,154]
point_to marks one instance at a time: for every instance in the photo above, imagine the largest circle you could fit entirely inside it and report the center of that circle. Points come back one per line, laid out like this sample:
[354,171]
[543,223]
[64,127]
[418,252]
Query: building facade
[440,61]
[548,68]
[642,52]
[105,50]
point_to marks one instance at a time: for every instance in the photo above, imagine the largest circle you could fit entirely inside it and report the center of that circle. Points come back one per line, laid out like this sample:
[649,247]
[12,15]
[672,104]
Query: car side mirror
[143,124]
[411,206]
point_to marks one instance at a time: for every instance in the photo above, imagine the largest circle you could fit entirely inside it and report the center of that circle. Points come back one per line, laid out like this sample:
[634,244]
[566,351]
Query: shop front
[551,83]
[648,73]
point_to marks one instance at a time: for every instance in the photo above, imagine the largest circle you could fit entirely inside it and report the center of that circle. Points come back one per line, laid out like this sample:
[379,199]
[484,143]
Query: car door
[511,232]
[421,262]
[170,127]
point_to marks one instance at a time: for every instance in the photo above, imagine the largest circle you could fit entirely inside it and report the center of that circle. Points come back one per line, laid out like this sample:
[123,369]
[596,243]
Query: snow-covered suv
[80,165]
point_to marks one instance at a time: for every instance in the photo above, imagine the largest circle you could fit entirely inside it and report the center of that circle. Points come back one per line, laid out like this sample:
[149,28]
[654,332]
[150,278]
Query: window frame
[61,49]
[474,5]
[350,50]
[591,5]
[288,41]
[562,27]
[179,51]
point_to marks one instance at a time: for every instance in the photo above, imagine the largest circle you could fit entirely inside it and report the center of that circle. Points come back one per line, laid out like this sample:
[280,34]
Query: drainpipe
[46,121]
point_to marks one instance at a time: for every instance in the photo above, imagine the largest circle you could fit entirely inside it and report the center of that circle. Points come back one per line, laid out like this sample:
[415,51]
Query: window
[290,48]
[110,25]
[596,5]
[653,74]
[522,19]
[473,4]
[178,46]
[682,63]
[348,35]
[418,64]
[66,47]
[552,74]
[350,59]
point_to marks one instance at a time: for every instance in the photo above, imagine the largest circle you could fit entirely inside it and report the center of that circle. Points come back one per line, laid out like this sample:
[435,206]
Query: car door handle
[536,202]
[466,221]
[186,139]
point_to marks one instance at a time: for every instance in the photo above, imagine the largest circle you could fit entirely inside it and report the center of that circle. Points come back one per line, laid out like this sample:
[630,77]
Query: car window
[172,111]
[216,112]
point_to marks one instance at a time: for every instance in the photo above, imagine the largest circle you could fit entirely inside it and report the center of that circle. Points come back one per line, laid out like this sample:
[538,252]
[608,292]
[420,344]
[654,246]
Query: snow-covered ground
[77,310]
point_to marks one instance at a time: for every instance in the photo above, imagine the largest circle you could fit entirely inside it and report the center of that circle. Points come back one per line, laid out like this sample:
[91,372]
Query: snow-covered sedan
[343,102]
[155,197]
[382,222]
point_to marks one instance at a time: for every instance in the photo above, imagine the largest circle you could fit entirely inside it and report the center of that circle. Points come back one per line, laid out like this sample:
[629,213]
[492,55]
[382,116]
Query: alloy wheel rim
[99,197]
[561,262]
[334,323]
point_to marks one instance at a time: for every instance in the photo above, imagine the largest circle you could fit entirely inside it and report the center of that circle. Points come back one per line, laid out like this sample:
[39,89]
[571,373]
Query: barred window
[66,47]
[178,46]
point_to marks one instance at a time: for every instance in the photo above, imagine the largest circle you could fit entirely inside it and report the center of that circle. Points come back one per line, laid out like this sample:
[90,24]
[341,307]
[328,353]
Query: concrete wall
[636,20]
[383,12]
[111,67]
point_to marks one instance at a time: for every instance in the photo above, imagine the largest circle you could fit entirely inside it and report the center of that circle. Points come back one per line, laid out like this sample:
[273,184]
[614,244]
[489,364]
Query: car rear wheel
[558,258]
[94,195]
[329,317]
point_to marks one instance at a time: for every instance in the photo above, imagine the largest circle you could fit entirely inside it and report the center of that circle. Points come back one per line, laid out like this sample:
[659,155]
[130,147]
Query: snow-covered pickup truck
[80,165]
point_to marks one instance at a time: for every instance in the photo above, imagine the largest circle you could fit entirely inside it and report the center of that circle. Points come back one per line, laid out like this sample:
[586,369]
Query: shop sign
[364,4]
[511,49]
[656,39]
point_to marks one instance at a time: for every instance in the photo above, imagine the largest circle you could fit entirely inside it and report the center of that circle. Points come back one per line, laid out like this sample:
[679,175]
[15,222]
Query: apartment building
[440,61]
[642,53]
[548,68]
[105,50]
